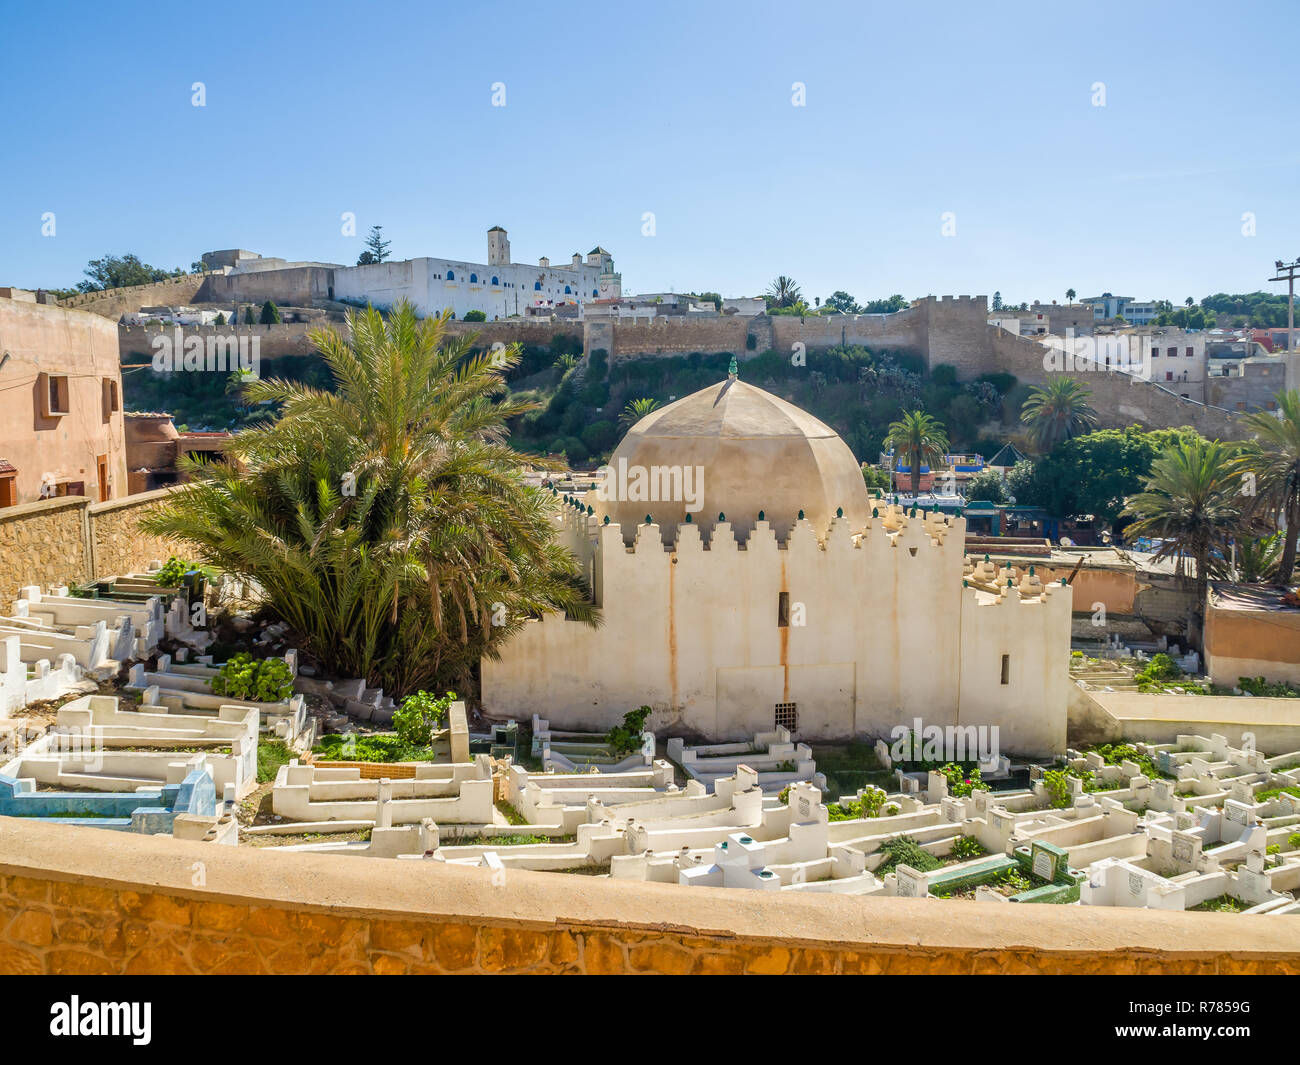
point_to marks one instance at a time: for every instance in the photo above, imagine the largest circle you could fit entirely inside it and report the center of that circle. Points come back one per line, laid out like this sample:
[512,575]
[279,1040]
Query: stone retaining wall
[70,539]
[87,901]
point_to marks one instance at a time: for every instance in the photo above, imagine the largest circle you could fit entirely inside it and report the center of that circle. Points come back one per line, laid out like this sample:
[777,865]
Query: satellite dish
[1066,542]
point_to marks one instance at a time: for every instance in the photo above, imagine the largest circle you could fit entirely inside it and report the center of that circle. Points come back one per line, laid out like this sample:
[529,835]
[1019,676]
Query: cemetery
[1171,819]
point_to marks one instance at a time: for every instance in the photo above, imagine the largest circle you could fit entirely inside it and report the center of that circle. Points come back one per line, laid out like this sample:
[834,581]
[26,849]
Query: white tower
[498,247]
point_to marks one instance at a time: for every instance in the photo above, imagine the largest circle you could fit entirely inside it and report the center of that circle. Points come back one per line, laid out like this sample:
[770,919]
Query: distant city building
[1136,312]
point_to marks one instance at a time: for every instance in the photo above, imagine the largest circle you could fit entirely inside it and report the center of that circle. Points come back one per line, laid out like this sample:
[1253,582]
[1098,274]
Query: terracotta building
[154,448]
[61,413]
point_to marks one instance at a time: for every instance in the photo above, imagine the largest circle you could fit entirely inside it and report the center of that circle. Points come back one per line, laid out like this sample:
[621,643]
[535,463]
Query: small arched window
[537,286]
[594,292]
[451,275]
[568,291]
[473,279]
[495,281]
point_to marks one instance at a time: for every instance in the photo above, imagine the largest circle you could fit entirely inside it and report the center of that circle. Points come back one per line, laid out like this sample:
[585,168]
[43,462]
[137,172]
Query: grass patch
[849,768]
[1273,793]
[271,755]
[1220,904]
[513,840]
[904,850]
[512,816]
[380,748]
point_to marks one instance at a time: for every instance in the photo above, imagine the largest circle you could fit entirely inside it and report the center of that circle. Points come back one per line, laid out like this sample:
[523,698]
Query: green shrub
[262,680]
[420,715]
[961,782]
[1160,668]
[1058,790]
[867,806]
[1258,686]
[172,571]
[626,738]
[600,436]
[575,450]
[475,316]
[1293,841]
[966,847]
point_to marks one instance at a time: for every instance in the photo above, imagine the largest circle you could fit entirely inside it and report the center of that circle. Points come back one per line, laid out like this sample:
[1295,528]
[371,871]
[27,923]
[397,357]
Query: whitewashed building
[498,288]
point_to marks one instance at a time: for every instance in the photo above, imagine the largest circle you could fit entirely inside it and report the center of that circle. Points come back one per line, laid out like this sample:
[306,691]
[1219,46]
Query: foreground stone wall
[69,540]
[42,543]
[87,901]
[118,544]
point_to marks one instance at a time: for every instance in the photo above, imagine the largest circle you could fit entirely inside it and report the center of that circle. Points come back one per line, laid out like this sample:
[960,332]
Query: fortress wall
[78,900]
[135,342]
[297,286]
[516,331]
[906,329]
[1119,399]
[956,329]
[630,338]
[115,302]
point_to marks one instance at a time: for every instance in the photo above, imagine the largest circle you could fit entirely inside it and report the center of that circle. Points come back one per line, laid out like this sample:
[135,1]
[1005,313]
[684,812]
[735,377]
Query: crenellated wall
[880,631]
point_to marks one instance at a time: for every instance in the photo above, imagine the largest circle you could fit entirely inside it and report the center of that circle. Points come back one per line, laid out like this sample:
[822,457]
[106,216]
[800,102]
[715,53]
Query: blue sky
[684,110]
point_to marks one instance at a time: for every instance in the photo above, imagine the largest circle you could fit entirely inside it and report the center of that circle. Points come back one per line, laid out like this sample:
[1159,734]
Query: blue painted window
[568,291]
[537,286]
[495,281]
[451,276]
[473,279]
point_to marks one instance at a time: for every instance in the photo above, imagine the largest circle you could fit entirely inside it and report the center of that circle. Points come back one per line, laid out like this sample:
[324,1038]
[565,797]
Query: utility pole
[1286,272]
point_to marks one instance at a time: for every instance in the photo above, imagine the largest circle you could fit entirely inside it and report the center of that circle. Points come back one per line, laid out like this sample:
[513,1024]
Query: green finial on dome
[647,520]
[1064,583]
[986,558]
[1010,582]
[875,512]
[801,515]
[1031,571]
[839,512]
[590,512]
[606,519]
[688,519]
[721,516]
[965,583]
[733,371]
[762,516]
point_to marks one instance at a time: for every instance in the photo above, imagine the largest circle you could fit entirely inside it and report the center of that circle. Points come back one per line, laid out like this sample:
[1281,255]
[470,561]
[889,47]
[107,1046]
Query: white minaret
[498,247]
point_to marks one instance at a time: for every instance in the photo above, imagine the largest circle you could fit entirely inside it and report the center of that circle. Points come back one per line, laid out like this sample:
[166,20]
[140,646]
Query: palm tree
[1275,462]
[636,410]
[1057,412]
[1191,501]
[387,521]
[1257,559]
[784,292]
[1069,295]
[916,438]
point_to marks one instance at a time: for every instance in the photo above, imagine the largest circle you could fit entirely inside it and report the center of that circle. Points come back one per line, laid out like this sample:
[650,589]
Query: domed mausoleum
[731,613]
[743,452]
